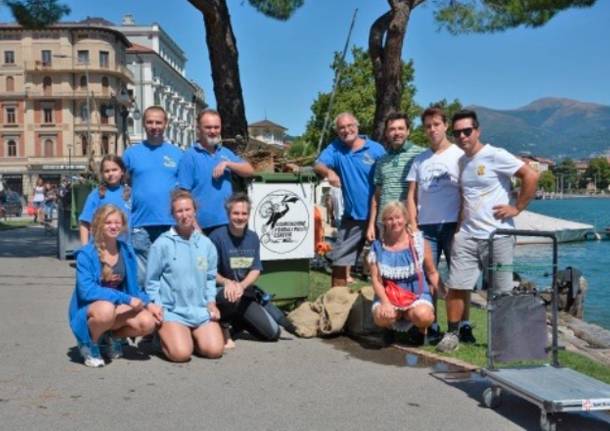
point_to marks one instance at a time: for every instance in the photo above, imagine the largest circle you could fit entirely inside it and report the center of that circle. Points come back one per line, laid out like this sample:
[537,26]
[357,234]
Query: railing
[66,65]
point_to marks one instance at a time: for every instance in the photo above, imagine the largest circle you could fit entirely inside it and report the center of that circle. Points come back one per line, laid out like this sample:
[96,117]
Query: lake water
[590,257]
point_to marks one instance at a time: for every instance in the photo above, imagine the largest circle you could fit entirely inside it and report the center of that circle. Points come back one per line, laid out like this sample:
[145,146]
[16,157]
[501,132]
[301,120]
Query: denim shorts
[440,237]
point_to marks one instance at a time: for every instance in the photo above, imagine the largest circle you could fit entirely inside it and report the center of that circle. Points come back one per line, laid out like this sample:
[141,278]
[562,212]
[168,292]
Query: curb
[462,365]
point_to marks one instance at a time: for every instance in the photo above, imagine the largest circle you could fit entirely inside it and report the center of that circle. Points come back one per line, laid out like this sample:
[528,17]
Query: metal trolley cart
[517,332]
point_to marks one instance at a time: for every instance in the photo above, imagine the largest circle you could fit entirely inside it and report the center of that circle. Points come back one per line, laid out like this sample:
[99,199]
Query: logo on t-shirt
[281,220]
[435,177]
[240,262]
[168,162]
[481,170]
[202,263]
[367,159]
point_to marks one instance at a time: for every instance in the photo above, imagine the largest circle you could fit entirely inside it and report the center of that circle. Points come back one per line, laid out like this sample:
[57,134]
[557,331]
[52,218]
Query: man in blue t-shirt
[205,171]
[348,162]
[152,166]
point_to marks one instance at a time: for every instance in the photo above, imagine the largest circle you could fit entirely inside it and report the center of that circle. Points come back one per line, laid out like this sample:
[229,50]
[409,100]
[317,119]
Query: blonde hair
[393,206]
[97,231]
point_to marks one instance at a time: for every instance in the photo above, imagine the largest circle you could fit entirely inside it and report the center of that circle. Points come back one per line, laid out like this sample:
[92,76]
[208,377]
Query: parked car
[11,204]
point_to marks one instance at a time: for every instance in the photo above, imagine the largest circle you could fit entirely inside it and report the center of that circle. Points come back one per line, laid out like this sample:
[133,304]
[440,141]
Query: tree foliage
[546,181]
[566,171]
[36,14]
[278,9]
[597,172]
[485,16]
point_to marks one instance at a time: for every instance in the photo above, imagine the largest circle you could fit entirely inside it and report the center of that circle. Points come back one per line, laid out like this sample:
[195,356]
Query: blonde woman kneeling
[404,276]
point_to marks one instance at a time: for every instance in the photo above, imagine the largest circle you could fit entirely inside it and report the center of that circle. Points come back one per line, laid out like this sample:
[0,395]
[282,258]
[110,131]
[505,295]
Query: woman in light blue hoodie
[181,280]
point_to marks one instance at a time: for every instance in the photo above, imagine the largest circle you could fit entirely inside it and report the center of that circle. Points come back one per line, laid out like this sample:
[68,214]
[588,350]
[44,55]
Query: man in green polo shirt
[391,169]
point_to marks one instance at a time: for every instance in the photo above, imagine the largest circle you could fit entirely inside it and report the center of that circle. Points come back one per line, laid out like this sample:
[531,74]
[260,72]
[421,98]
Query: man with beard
[205,170]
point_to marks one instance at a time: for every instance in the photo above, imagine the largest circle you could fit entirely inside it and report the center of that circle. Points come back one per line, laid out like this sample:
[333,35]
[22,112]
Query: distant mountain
[550,127]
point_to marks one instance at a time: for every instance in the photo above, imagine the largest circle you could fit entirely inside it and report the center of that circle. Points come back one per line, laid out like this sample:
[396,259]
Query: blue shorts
[440,237]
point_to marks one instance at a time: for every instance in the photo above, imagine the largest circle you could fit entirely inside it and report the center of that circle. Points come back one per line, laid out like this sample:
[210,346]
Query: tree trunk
[222,48]
[386,38]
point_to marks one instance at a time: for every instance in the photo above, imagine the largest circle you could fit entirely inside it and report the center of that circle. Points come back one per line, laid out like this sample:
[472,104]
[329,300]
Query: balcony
[66,65]
[70,94]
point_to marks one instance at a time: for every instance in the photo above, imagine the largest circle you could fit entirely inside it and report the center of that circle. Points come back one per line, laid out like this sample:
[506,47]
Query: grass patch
[15,224]
[475,354]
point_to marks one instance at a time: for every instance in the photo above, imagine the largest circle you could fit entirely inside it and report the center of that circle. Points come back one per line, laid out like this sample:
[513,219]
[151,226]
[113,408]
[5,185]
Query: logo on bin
[281,221]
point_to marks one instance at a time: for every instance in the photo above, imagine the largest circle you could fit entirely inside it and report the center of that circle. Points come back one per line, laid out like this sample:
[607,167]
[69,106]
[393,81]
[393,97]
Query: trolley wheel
[492,397]
[548,422]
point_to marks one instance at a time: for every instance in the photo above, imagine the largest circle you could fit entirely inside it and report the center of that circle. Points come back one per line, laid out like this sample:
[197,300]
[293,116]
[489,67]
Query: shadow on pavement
[130,353]
[33,241]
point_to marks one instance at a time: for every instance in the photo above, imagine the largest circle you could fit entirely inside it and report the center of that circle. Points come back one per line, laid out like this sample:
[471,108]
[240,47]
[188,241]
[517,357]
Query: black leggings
[247,314]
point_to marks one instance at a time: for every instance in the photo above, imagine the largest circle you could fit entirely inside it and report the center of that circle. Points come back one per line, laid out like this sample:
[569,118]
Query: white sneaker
[91,355]
[449,343]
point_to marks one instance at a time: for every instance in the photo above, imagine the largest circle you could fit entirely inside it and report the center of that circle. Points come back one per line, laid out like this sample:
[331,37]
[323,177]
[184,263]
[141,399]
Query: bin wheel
[547,422]
[492,397]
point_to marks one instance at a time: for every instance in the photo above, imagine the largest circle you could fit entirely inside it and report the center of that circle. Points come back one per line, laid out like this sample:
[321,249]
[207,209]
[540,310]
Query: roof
[267,123]
[137,48]
[86,24]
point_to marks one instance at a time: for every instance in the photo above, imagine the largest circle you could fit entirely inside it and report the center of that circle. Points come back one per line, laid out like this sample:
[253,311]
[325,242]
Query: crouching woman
[106,302]
[404,276]
[181,280]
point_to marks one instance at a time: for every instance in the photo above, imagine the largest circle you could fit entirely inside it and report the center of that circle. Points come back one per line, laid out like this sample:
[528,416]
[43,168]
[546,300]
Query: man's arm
[529,184]
[370,231]
[326,172]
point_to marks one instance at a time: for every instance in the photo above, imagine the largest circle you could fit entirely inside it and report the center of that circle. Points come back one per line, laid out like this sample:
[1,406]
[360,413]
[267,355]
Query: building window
[104,56]
[12,148]
[104,114]
[47,84]
[9,57]
[83,56]
[83,145]
[105,85]
[10,116]
[105,145]
[83,82]
[48,148]
[46,57]
[84,112]
[10,83]
[48,115]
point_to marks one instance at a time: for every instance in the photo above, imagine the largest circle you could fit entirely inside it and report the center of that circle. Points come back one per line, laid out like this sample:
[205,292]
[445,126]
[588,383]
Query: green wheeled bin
[283,217]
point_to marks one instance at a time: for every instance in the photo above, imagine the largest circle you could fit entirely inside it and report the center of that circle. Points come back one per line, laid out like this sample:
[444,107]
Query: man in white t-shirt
[485,180]
[433,198]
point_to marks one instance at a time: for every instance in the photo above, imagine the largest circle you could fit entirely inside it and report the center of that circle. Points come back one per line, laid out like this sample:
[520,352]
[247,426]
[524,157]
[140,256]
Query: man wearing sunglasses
[485,180]
[348,162]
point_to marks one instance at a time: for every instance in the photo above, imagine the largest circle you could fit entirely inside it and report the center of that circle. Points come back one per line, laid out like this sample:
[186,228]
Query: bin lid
[285,177]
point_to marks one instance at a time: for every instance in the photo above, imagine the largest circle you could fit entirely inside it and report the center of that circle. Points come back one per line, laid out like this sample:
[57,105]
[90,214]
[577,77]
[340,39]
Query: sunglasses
[466,131]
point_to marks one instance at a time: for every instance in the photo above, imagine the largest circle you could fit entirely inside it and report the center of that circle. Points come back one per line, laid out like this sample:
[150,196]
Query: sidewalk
[294,384]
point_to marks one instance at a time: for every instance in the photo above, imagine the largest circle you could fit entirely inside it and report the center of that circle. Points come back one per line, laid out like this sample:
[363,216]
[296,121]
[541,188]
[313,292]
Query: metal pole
[337,77]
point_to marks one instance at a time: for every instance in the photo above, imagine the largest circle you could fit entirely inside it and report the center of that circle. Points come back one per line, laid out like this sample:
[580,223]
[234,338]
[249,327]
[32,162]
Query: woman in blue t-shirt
[112,190]
[239,266]
[404,276]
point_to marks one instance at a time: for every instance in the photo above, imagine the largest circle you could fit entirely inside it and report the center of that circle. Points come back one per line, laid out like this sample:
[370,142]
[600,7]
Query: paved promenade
[291,385]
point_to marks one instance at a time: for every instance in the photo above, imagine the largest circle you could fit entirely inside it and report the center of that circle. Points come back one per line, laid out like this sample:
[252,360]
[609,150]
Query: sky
[284,65]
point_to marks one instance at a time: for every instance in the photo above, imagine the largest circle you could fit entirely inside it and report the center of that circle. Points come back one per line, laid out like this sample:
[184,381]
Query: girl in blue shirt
[107,301]
[181,283]
[112,190]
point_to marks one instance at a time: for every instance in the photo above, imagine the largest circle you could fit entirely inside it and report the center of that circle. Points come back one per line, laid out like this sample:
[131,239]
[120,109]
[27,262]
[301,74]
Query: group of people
[161,255]
[44,201]
[414,205]
[168,251]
